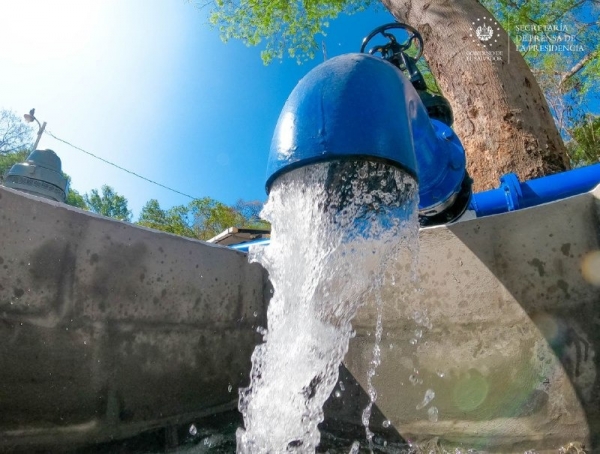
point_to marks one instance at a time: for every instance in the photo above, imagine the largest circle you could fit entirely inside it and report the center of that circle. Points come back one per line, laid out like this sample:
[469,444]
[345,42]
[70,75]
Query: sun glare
[36,30]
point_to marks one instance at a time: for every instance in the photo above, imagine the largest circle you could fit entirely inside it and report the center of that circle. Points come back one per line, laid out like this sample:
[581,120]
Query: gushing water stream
[336,228]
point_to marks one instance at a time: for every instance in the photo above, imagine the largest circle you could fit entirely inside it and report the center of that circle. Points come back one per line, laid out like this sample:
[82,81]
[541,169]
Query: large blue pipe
[360,107]
[513,195]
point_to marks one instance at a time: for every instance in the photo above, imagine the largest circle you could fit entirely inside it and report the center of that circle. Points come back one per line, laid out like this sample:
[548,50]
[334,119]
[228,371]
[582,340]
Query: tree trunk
[501,115]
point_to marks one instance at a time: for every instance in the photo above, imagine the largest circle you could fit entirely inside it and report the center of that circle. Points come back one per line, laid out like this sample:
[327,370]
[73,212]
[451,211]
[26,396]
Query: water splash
[335,227]
[375,362]
[429,396]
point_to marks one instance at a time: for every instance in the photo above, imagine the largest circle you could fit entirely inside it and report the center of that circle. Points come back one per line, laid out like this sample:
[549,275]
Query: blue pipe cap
[354,106]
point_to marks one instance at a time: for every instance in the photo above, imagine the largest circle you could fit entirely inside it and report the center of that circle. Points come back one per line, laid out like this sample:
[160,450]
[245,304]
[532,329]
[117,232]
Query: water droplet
[255,314]
[387,423]
[84,343]
[417,317]
[338,394]
[342,387]
[429,395]
[193,430]
[432,414]
[355,448]
[413,341]
[418,333]
[229,388]
[391,346]
[415,380]
[441,374]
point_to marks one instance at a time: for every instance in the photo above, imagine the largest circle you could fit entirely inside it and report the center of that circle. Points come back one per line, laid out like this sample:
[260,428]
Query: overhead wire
[118,166]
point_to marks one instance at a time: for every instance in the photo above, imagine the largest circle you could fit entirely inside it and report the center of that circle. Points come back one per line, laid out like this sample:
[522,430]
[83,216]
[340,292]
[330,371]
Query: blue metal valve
[360,107]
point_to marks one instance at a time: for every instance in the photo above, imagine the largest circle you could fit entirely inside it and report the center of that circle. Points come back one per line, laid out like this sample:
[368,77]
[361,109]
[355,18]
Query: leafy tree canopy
[288,27]
[15,135]
[74,198]
[174,220]
[585,147]
[108,203]
[201,218]
[7,160]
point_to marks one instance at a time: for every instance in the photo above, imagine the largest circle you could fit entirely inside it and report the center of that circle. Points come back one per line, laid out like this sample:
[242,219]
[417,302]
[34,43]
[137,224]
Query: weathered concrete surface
[501,326]
[108,329]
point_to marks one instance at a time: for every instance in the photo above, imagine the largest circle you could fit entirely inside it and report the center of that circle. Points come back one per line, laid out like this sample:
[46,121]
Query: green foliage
[15,135]
[250,210]
[109,203]
[201,218]
[173,220]
[287,26]
[210,217]
[74,198]
[584,148]
[7,160]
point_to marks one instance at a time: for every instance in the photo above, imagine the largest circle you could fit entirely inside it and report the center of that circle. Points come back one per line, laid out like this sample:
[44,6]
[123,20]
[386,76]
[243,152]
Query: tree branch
[575,69]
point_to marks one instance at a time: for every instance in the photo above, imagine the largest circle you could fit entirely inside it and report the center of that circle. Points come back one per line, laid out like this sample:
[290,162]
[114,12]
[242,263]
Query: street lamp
[30,118]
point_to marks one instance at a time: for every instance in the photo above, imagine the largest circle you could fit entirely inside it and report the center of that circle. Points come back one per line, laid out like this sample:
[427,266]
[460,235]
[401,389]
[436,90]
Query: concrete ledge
[510,333]
[108,329]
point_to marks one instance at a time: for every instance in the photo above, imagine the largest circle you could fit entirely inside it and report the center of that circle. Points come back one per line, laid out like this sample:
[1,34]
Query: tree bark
[501,115]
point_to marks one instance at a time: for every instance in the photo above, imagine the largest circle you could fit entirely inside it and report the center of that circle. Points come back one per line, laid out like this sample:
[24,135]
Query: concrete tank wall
[510,333]
[108,329]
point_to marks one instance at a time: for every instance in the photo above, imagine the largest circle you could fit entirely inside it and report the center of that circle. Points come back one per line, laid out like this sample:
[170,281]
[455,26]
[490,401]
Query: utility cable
[119,167]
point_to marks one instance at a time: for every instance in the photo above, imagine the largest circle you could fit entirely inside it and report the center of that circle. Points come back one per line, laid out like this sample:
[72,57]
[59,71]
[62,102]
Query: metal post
[40,132]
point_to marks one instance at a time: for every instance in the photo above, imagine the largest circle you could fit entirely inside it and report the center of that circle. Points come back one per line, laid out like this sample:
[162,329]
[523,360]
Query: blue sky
[150,86]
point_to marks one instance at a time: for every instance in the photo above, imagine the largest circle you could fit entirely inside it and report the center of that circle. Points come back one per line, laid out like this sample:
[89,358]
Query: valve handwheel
[392,49]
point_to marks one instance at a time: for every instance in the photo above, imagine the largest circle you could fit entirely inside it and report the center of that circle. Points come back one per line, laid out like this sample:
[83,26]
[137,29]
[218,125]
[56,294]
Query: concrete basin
[108,329]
